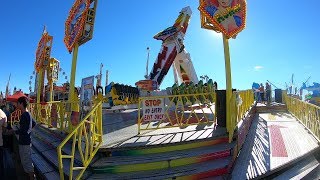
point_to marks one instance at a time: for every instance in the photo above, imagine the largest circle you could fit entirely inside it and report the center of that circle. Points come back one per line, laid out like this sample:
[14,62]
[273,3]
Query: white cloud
[257,68]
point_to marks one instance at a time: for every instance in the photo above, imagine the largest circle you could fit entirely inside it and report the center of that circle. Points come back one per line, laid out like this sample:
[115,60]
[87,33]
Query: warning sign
[153,109]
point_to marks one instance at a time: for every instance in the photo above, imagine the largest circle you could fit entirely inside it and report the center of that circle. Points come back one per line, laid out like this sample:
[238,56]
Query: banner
[86,95]
[153,109]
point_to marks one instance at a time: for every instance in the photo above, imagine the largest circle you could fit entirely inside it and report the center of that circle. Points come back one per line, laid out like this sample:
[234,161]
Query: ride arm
[172,45]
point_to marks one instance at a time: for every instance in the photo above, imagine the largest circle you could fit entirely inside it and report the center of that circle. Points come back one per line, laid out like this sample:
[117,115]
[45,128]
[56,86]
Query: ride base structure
[175,139]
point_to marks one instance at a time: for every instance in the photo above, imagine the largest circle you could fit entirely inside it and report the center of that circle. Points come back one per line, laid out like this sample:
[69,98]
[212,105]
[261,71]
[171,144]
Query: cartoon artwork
[228,16]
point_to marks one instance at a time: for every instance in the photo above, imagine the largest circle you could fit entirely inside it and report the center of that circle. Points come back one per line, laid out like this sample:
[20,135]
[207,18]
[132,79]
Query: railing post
[228,82]
[100,124]
[60,166]
[139,115]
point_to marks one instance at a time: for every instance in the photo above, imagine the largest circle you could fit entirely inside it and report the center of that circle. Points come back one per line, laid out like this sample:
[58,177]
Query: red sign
[148,85]
[153,109]
[75,23]
[227,16]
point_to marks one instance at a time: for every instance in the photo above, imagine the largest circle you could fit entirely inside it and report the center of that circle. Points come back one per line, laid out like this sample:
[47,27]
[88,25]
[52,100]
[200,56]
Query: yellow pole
[228,84]
[50,79]
[139,117]
[39,85]
[100,118]
[73,72]
[39,91]
[51,91]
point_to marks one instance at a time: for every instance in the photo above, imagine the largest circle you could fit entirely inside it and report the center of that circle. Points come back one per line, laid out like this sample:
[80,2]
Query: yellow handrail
[241,102]
[86,140]
[308,114]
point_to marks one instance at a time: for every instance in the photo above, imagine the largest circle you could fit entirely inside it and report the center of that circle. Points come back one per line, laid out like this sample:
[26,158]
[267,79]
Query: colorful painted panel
[163,63]
[43,51]
[226,16]
[180,25]
[75,23]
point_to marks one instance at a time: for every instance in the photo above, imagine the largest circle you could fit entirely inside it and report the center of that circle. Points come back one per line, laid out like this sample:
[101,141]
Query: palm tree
[204,78]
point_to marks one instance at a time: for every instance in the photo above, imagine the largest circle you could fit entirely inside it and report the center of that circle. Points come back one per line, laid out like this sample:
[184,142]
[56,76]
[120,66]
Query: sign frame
[43,51]
[87,85]
[213,19]
[75,23]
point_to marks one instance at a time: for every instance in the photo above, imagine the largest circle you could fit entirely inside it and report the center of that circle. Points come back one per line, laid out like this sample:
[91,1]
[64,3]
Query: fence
[176,111]
[55,114]
[307,113]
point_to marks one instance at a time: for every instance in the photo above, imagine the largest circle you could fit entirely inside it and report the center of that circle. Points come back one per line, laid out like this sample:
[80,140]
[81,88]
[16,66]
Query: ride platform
[189,152]
[277,146]
[276,142]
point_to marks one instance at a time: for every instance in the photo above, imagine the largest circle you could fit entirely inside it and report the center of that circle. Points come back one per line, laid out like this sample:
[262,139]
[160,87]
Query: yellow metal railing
[55,114]
[178,111]
[15,117]
[247,98]
[307,113]
[241,102]
[86,139]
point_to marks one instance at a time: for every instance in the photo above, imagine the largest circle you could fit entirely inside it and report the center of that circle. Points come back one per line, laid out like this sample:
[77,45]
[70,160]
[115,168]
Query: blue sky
[281,38]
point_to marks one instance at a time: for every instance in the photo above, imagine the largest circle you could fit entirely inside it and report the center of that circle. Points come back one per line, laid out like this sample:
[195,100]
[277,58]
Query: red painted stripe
[213,156]
[277,142]
[212,173]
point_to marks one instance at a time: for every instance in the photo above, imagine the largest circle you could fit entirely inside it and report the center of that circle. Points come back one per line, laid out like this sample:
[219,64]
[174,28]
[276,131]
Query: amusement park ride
[313,98]
[172,53]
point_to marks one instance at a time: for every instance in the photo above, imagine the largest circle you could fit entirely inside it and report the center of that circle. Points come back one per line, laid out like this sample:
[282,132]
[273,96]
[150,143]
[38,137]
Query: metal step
[301,169]
[162,160]
[52,175]
[40,163]
[46,135]
[261,108]
[49,154]
[46,144]
[216,167]
[53,141]
[40,144]
[148,144]
[160,137]
[53,130]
